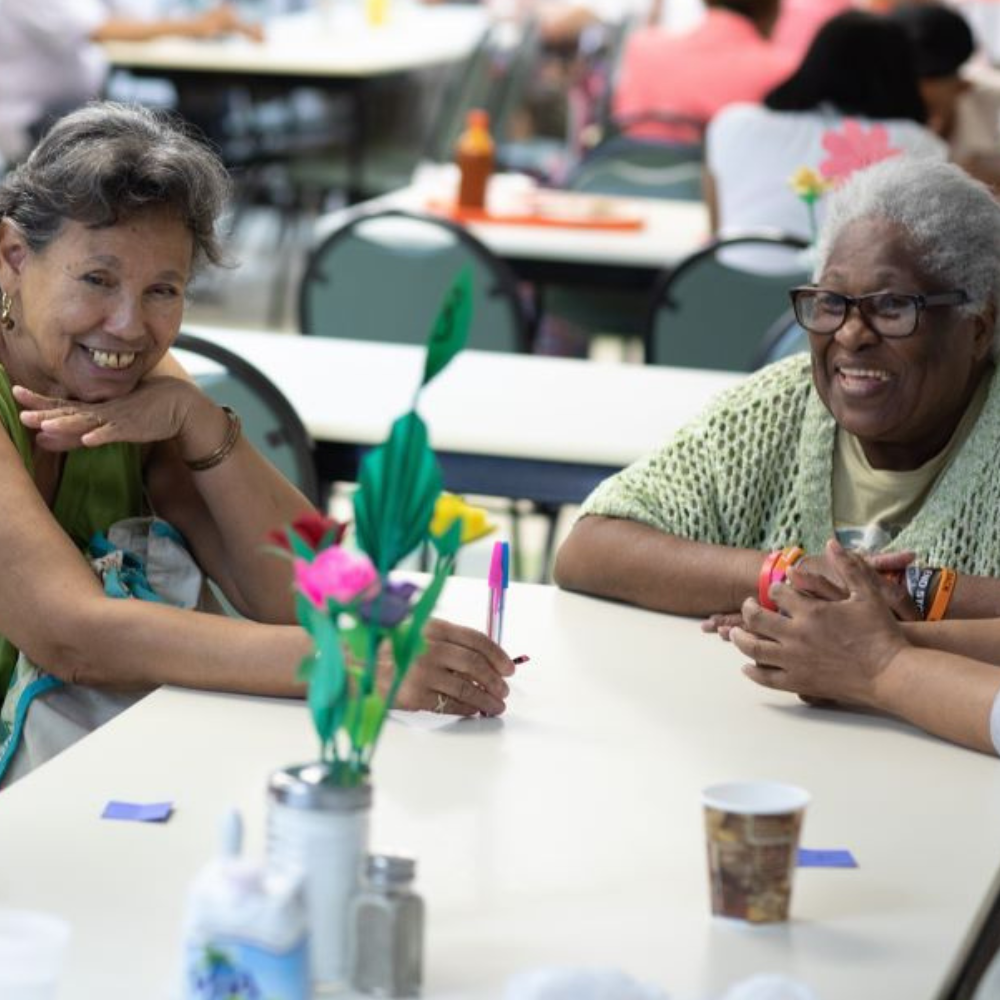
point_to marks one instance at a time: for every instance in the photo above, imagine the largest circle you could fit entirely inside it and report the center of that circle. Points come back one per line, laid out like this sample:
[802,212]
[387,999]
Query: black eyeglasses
[889,314]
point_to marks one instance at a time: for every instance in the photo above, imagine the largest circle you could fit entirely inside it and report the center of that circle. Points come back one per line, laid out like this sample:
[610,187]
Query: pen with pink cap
[494,610]
[499,580]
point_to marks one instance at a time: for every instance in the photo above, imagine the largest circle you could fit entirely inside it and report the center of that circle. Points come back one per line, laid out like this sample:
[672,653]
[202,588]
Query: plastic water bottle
[246,932]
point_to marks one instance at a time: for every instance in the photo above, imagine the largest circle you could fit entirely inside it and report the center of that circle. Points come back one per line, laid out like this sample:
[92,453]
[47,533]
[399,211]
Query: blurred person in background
[51,54]
[753,150]
[693,75]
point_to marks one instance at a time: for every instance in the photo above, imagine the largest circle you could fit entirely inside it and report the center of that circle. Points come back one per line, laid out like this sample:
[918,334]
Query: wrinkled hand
[722,624]
[823,648]
[817,575]
[156,410]
[461,673]
[820,576]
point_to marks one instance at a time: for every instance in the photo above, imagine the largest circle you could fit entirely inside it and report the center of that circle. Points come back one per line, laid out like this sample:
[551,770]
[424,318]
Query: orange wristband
[942,596]
[764,580]
[775,570]
[788,558]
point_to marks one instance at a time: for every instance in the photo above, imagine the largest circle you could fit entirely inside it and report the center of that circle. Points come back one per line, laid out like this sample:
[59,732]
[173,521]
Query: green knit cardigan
[755,471]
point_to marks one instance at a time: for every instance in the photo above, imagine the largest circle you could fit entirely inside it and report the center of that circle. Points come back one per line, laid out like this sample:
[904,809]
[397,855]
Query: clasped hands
[836,631]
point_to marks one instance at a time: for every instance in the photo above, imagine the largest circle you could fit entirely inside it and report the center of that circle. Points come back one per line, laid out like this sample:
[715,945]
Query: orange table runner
[610,222]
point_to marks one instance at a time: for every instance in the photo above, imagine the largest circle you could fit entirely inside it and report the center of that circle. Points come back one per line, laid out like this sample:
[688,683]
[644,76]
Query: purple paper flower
[393,604]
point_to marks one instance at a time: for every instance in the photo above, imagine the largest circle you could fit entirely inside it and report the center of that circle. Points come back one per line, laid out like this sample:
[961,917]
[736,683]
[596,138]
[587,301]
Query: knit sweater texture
[755,471]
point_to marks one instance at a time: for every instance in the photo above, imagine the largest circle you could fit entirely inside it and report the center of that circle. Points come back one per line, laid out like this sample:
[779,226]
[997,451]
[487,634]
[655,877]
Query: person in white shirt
[752,151]
[52,60]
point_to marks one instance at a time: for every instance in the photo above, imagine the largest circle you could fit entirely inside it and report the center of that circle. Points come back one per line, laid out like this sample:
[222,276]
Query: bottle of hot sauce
[474,154]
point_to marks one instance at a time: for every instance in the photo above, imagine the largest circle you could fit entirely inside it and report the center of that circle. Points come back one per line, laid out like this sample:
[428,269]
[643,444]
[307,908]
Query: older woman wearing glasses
[885,437]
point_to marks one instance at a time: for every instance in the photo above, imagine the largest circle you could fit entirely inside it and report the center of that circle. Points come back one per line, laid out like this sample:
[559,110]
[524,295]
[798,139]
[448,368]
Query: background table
[627,260]
[337,52]
[323,47]
[543,429]
[568,831]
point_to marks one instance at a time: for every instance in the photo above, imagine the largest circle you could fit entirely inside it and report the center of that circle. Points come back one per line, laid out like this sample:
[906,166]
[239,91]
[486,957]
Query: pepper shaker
[387,930]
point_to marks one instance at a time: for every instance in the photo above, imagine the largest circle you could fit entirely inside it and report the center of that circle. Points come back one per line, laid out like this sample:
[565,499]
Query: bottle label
[236,969]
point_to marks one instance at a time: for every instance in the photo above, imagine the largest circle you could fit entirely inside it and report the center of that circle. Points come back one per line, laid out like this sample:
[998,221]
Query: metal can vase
[320,827]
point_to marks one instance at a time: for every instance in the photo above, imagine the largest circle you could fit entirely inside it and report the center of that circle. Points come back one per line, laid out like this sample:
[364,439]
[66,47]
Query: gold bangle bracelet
[224,450]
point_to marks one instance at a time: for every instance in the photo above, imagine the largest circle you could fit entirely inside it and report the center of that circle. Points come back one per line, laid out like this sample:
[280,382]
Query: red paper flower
[854,149]
[312,528]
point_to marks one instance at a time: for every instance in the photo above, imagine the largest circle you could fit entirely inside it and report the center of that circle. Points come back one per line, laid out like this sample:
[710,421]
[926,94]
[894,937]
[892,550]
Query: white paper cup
[32,953]
[752,835]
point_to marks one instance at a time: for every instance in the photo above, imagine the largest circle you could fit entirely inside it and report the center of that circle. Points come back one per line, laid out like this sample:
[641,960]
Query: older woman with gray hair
[885,436]
[101,230]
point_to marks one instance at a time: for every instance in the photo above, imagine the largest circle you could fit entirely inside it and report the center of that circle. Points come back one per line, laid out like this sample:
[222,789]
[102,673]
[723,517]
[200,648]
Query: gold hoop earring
[6,303]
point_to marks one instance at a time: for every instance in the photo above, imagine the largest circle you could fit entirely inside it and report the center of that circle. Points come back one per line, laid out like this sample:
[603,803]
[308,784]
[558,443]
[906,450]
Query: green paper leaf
[448,543]
[305,611]
[407,641]
[305,668]
[398,485]
[356,639]
[372,714]
[327,680]
[300,547]
[451,328]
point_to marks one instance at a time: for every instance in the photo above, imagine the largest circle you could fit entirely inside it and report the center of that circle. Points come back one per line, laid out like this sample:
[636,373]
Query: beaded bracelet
[775,570]
[942,595]
[918,586]
[211,460]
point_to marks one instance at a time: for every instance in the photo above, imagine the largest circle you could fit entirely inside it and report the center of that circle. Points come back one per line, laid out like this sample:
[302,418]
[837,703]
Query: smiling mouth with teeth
[111,359]
[863,373]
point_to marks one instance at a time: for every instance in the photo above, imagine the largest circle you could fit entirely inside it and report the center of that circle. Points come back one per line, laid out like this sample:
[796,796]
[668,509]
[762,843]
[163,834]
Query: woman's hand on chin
[823,648]
[156,410]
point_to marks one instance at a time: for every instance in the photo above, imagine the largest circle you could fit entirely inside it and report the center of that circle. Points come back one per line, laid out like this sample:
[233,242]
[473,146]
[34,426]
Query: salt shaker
[387,930]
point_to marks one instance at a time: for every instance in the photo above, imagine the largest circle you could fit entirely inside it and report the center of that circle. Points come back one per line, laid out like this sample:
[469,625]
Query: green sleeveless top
[98,487]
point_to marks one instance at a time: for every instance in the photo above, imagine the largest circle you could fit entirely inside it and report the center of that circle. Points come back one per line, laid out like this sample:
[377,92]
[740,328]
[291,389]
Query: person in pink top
[727,58]
[801,19]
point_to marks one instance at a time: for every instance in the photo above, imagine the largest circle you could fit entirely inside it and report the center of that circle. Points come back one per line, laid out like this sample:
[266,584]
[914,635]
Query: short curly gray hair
[952,221]
[106,161]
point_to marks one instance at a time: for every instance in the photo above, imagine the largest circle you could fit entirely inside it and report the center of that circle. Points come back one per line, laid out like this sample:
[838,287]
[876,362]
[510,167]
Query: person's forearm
[947,695]
[632,562]
[126,29]
[975,597]
[976,639]
[226,513]
[124,645]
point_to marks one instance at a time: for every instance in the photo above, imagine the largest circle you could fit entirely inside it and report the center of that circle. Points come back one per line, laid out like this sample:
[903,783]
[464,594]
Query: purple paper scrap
[139,812]
[829,858]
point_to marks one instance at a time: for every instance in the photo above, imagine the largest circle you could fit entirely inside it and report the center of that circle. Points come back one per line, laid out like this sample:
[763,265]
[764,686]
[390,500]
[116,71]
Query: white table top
[340,44]
[569,832]
[672,230]
[509,405]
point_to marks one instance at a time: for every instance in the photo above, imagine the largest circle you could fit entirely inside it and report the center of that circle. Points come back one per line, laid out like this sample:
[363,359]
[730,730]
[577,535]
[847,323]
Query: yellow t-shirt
[872,506]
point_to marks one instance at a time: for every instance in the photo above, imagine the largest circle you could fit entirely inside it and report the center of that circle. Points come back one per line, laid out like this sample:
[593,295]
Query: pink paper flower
[854,149]
[335,573]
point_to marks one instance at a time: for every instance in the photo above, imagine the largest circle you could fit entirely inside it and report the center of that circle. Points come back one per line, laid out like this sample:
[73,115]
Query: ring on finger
[442,703]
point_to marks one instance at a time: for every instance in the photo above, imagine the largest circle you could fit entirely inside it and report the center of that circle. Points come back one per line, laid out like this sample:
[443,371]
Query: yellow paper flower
[808,184]
[449,508]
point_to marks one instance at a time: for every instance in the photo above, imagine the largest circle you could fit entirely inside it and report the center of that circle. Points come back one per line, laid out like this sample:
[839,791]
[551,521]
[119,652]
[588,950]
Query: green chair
[713,308]
[784,339]
[637,168]
[270,422]
[383,276]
